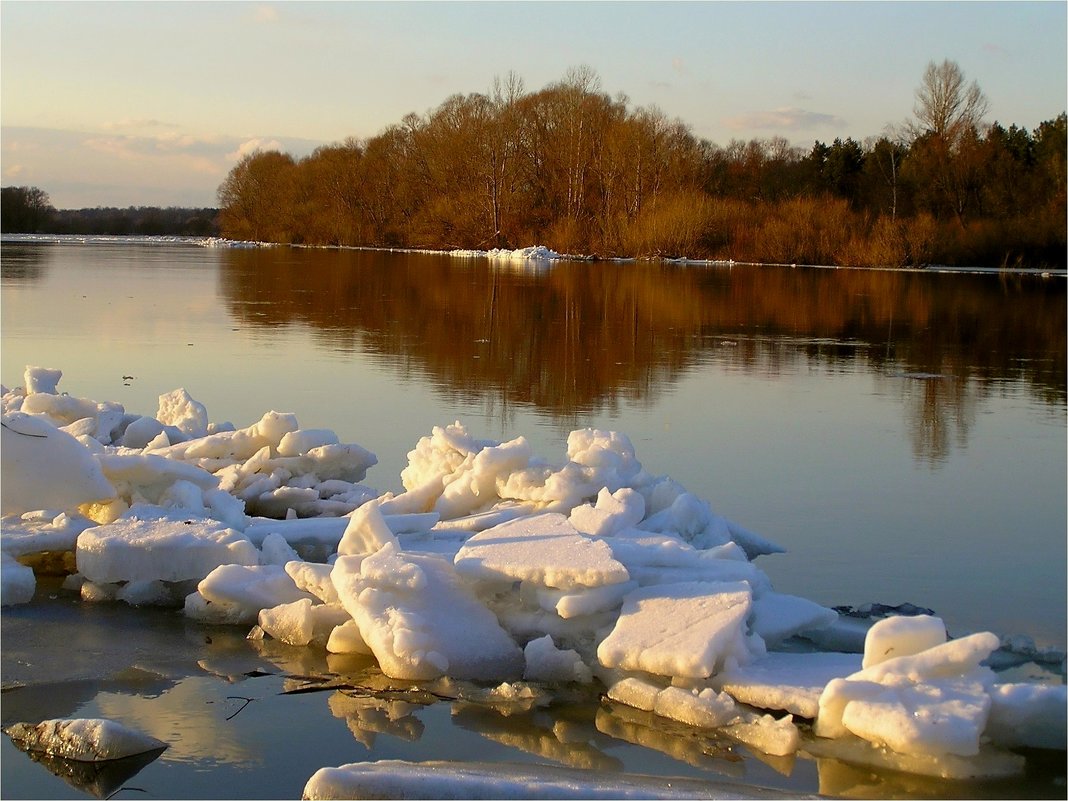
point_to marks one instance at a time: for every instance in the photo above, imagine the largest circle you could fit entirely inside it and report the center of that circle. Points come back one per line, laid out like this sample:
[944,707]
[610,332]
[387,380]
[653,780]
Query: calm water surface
[901,434]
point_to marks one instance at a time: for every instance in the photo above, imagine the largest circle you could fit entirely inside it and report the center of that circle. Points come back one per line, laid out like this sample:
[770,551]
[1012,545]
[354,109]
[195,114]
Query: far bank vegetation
[581,172]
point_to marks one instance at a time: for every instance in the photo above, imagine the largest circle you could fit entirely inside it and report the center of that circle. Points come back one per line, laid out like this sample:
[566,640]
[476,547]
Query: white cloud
[130,146]
[783,119]
[128,124]
[161,168]
[251,146]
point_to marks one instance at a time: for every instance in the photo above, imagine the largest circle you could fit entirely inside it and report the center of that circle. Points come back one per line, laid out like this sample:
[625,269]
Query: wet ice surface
[587,602]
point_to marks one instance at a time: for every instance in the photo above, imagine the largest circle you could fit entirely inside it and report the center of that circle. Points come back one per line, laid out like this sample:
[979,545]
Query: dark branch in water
[242,707]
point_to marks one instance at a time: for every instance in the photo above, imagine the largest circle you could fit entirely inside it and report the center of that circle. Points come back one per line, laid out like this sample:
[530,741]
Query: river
[902,434]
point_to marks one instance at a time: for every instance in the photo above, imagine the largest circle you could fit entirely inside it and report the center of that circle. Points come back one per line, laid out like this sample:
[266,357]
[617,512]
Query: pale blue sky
[151,103]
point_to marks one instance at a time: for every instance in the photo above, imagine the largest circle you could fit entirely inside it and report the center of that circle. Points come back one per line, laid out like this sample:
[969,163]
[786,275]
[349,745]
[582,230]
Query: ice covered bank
[535,253]
[492,565]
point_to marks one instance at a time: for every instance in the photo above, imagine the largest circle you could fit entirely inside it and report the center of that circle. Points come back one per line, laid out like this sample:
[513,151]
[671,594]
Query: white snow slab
[612,512]
[302,622]
[692,519]
[902,635]
[236,593]
[664,558]
[45,468]
[949,660]
[149,469]
[366,532]
[163,548]
[931,703]
[40,531]
[547,663]
[41,379]
[636,548]
[389,778]
[178,409]
[82,739]
[319,534]
[936,717]
[240,445]
[685,630]
[299,442]
[17,581]
[576,603]
[753,544]
[792,682]
[1028,715]
[705,708]
[777,616]
[470,524]
[474,486]
[543,549]
[419,619]
[313,577]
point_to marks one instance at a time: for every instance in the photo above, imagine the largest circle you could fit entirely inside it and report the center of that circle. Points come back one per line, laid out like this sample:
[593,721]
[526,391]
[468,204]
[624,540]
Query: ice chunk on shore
[687,630]
[611,513]
[457,475]
[705,708]
[1028,716]
[236,593]
[581,601]
[366,532]
[902,636]
[178,409]
[546,662]
[40,532]
[314,578]
[41,379]
[17,581]
[45,468]
[545,550]
[143,548]
[82,739]
[777,616]
[420,620]
[932,702]
[792,682]
[302,622]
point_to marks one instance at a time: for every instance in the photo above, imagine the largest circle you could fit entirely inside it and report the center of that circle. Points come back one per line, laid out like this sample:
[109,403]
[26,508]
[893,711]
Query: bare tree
[945,137]
[945,105]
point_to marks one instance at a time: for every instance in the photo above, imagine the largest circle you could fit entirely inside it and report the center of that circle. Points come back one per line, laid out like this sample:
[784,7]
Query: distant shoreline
[221,242]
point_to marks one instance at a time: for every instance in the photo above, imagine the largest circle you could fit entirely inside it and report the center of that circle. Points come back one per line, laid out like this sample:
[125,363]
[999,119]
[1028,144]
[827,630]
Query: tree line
[28,210]
[572,168]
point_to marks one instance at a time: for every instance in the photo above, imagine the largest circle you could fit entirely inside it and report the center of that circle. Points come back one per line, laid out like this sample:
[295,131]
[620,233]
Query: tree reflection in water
[580,337]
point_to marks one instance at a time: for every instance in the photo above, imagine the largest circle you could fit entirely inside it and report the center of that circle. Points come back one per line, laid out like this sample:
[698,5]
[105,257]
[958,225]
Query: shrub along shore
[576,170]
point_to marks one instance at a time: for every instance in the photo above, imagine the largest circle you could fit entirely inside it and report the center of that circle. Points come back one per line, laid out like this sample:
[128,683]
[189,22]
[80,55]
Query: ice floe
[82,739]
[493,565]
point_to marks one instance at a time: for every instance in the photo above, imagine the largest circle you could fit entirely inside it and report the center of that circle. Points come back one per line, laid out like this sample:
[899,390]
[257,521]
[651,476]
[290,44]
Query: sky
[152,103]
